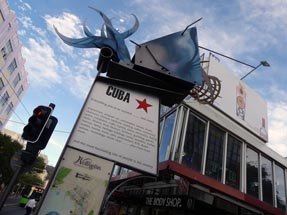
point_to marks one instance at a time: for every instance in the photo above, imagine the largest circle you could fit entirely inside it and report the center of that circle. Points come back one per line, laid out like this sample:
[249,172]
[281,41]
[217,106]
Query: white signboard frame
[119,124]
[79,185]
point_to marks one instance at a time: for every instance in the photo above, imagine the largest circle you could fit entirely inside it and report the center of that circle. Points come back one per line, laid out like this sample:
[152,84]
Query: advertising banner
[239,101]
[119,124]
[79,185]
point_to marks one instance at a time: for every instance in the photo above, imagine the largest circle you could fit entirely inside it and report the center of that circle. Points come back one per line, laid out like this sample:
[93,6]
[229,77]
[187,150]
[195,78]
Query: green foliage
[8,147]
[30,179]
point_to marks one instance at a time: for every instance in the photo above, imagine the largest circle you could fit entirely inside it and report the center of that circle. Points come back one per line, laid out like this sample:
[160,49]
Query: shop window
[267,182]
[252,172]
[233,157]
[214,153]
[193,144]
[280,187]
[166,136]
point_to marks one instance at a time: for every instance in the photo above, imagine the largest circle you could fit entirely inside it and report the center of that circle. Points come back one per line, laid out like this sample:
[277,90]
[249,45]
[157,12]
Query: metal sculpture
[110,37]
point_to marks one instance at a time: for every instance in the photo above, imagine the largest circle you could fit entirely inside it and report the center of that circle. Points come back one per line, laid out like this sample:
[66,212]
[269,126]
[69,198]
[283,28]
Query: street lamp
[263,63]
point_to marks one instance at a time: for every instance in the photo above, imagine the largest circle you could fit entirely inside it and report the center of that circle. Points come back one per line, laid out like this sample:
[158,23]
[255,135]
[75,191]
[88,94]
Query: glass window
[9,108]
[233,157]
[193,144]
[252,172]
[4,98]
[1,17]
[280,187]
[6,50]
[267,182]
[12,66]
[19,91]
[1,84]
[166,136]
[214,152]
[16,80]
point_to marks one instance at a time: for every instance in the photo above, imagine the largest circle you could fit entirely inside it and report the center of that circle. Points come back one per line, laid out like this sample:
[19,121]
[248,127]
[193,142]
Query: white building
[13,77]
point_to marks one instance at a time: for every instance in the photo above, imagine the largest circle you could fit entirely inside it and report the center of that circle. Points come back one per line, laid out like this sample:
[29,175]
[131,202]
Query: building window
[233,158]
[9,108]
[214,153]
[252,172]
[4,98]
[267,182]
[6,50]
[280,187]
[166,136]
[194,141]
[12,66]
[1,84]
[1,17]
[19,91]
[16,80]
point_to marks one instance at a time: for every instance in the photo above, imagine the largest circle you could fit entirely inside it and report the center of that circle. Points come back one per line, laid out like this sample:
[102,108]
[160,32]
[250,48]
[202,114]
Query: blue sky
[248,30]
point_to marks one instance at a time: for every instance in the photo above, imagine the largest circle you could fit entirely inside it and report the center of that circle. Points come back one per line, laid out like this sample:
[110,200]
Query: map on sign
[79,185]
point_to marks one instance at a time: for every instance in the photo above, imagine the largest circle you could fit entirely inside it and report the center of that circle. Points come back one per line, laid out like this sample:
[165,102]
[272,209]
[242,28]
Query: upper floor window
[267,180]
[16,80]
[280,187]
[12,66]
[9,108]
[233,158]
[194,141]
[166,136]
[252,172]
[1,17]
[19,91]
[6,50]
[1,84]
[4,98]
[214,156]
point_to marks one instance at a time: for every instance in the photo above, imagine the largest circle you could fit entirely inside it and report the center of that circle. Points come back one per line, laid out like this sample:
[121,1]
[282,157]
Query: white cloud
[40,63]
[67,24]
[278,127]
[25,6]
[28,24]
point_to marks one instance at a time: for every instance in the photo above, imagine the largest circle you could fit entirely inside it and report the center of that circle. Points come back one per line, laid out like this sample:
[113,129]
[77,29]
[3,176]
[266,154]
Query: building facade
[213,159]
[13,77]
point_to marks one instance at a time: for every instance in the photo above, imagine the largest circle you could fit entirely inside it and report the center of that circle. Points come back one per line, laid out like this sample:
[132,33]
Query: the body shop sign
[121,125]
[239,101]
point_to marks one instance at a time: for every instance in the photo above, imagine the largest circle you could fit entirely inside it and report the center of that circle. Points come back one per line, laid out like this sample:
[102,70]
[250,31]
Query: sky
[247,30]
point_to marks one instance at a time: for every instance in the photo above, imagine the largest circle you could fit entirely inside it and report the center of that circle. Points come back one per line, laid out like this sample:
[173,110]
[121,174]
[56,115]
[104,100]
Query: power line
[59,131]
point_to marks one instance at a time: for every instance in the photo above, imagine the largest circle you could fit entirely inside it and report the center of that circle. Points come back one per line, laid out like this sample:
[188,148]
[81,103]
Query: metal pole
[9,187]
[250,72]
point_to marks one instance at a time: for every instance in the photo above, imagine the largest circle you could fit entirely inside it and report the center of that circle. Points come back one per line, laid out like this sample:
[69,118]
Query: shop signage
[170,201]
[239,101]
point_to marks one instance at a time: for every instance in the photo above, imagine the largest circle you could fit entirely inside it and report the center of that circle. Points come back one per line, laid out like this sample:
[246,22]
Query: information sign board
[119,124]
[79,185]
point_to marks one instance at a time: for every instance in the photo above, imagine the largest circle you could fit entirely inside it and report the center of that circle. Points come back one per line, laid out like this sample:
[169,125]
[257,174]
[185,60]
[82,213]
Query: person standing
[29,206]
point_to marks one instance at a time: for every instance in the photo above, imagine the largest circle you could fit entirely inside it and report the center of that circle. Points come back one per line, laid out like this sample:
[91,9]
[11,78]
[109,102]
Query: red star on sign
[143,104]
